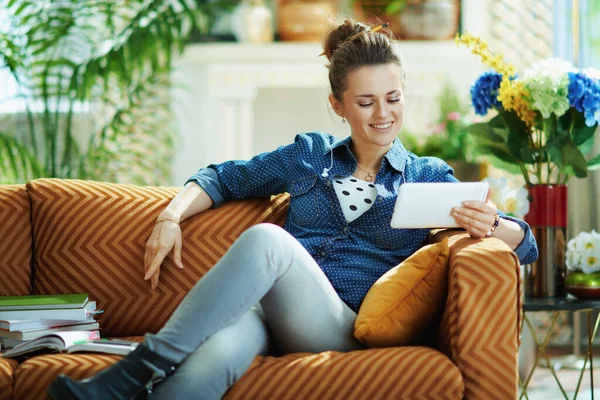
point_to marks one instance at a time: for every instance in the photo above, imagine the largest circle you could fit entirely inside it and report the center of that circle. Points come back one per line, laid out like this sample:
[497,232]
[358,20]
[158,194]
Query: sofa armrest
[479,330]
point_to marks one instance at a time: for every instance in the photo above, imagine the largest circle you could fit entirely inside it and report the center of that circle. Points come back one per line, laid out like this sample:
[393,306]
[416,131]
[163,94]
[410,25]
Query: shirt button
[345,230]
[322,254]
[380,199]
[328,183]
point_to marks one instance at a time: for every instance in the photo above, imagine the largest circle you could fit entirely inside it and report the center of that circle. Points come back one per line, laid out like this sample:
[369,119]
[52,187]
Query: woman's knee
[267,240]
[266,232]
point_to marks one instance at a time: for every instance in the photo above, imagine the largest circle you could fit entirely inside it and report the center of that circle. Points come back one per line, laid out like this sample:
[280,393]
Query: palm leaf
[58,52]
[17,162]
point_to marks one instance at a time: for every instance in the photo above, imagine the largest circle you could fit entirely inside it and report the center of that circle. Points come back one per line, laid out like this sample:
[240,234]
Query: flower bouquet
[542,125]
[583,262]
[544,120]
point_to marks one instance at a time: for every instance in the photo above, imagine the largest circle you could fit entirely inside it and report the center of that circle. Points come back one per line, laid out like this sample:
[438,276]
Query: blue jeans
[266,295]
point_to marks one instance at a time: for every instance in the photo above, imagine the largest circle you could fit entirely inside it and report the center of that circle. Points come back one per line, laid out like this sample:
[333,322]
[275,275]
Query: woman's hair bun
[340,34]
[345,32]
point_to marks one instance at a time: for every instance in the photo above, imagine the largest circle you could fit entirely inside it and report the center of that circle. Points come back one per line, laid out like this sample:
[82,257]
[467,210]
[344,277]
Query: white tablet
[428,205]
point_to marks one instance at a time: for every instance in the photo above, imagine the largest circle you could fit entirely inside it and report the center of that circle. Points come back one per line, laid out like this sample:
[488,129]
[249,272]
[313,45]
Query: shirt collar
[396,156]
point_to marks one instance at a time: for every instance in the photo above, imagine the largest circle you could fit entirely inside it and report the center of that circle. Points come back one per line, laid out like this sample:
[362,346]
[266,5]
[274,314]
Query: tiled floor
[543,386]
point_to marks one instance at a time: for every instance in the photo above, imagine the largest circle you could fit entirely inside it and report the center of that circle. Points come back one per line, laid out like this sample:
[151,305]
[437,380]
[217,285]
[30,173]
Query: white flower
[573,259]
[498,187]
[547,82]
[583,252]
[585,242]
[553,67]
[590,261]
[516,202]
[592,72]
[512,201]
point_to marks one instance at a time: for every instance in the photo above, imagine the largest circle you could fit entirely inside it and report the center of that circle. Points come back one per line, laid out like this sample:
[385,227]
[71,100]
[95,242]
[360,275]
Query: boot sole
[57,391]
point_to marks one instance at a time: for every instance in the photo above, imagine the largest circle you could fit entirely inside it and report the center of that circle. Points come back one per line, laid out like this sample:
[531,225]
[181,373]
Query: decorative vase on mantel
[252,22]
[417,19]
[547,218]
[305,20]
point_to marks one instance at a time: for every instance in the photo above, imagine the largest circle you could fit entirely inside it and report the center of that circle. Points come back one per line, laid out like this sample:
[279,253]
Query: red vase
[547,218]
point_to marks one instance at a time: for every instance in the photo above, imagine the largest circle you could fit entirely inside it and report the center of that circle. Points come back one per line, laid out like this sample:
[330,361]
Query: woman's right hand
[166,236]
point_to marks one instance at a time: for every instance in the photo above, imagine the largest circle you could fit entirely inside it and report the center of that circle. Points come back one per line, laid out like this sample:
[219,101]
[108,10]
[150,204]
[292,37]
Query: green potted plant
[92,78]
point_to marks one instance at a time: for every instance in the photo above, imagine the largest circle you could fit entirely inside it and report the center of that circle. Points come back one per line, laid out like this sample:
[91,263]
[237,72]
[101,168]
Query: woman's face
[373,104]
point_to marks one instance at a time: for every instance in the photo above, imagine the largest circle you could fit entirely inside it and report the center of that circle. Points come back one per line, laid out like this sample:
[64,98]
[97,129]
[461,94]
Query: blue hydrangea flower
[484,92]
[584,96]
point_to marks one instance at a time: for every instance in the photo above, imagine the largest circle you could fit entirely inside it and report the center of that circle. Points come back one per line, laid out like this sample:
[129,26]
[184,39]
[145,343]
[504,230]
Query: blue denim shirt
[352,255]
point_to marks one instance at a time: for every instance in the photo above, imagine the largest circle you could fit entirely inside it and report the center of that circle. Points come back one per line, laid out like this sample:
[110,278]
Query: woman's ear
[336,105]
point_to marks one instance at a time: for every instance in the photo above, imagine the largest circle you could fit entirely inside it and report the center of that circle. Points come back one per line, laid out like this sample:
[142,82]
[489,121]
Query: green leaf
[564,152]
[513,122]
[531,156]
[484,131]
[499,151]
[395,7]
[21,8]
[17,160]
[594,163]
[580,135]
[507,166]
[587,146]
[517,141]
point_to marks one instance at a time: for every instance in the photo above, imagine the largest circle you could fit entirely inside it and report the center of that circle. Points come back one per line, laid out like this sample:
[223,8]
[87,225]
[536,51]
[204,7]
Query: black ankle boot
[129,378]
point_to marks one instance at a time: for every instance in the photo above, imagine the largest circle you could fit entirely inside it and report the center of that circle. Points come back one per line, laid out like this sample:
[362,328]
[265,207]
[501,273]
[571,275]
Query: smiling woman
[311,277]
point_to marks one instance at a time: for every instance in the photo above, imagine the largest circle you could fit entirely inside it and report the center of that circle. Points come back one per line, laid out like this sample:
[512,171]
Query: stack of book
[24,318]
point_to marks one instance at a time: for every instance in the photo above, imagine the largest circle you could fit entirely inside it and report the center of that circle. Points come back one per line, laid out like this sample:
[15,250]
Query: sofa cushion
[374,374]
[405,305]
[393,373]
[90,238]
[35,374]
[7,372]
[15,241]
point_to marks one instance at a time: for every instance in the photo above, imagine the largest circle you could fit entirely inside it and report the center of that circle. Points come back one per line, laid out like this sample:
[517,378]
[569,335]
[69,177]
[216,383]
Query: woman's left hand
[477,217]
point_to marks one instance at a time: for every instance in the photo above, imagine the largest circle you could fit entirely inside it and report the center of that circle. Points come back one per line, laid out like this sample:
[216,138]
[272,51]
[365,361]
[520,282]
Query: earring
[343,120]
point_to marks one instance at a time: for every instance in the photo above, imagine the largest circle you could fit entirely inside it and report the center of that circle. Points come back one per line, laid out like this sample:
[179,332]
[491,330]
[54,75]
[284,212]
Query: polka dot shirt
[353,247]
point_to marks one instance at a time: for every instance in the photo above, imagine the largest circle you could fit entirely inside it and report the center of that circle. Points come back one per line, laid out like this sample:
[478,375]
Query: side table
[557,305]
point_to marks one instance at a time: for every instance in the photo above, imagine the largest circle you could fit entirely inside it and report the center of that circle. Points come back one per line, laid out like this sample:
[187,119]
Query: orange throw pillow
[406,303]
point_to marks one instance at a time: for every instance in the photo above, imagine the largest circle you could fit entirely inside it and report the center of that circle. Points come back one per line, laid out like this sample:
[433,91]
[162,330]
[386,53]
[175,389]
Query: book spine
[79,314]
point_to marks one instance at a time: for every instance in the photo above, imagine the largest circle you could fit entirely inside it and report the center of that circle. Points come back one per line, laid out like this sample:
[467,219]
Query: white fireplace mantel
[218,88]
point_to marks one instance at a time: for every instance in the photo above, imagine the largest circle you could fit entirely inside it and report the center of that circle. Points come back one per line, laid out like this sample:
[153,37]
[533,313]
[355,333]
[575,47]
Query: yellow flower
[511,93]
[513,96]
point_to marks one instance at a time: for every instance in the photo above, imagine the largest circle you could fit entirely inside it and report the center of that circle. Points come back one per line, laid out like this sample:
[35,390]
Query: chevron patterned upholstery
[480,326]
[375,374]
[7,372]
[15,241]
[90,237]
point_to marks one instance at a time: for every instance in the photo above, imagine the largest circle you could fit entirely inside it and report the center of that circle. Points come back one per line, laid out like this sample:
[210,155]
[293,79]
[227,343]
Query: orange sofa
[72,236]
